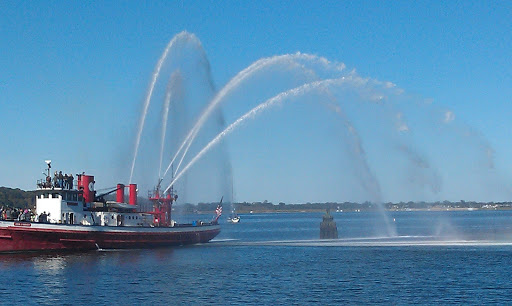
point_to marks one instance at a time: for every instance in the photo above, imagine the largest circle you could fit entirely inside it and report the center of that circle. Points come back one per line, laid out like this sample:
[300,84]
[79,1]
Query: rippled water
[439,257]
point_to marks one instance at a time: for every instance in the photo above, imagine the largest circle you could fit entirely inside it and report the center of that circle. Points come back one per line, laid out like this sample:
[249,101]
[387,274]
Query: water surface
[438,257]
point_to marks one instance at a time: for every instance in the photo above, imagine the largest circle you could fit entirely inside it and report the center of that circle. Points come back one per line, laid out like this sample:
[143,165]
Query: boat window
[55,195]
[46,195]
[75,196]
[112,216]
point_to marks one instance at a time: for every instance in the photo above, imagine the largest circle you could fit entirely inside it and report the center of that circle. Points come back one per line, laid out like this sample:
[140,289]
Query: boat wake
[399,241]
[223,240]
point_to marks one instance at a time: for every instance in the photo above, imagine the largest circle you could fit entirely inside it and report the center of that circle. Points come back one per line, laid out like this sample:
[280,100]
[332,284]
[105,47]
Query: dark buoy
[328,229]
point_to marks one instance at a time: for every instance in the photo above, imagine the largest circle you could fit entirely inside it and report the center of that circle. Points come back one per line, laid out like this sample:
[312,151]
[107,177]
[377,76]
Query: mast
[49,163]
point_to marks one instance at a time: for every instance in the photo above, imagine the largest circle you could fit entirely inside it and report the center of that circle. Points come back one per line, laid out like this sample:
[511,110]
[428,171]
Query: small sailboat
[234,218]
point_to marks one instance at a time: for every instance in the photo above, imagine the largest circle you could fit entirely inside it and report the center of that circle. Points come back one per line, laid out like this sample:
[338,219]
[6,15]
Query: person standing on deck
[61,179]
[56,179]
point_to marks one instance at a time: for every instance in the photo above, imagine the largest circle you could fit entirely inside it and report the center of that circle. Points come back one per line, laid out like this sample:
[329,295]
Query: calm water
[438,258]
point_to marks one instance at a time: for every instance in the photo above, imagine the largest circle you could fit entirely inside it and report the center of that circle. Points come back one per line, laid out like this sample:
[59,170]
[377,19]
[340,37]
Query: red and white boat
[79,219]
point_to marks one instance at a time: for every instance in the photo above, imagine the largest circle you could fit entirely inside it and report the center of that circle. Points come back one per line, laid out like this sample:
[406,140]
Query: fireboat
[80,219]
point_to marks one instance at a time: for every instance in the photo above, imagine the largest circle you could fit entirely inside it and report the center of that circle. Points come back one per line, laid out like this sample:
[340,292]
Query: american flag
[218,210]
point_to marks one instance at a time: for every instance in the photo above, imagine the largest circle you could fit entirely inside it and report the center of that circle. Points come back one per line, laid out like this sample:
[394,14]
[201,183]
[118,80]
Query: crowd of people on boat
[20,214]
[60,180]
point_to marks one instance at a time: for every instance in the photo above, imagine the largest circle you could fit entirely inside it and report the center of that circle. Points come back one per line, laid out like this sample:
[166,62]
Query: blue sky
[74,75]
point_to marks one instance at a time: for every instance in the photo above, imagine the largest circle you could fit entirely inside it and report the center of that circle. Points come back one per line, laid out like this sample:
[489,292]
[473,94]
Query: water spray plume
[183,36]
[172,87]
[377,136]
[240,77]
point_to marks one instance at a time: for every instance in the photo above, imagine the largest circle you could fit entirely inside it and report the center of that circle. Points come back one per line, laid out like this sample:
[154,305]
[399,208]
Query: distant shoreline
[246,208]
[357,211]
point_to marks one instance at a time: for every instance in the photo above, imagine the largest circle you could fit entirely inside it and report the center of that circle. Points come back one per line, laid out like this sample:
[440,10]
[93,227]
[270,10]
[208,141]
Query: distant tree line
[18,198]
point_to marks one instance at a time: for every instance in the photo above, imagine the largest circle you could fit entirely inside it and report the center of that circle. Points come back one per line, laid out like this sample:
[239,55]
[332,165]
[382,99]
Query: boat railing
[45,184]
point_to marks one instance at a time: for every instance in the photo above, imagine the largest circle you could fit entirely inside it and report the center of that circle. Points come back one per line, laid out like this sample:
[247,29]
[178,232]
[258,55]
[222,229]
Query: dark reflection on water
[246,265]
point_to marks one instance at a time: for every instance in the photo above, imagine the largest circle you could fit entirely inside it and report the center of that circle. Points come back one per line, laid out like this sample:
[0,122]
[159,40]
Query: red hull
[19,237]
